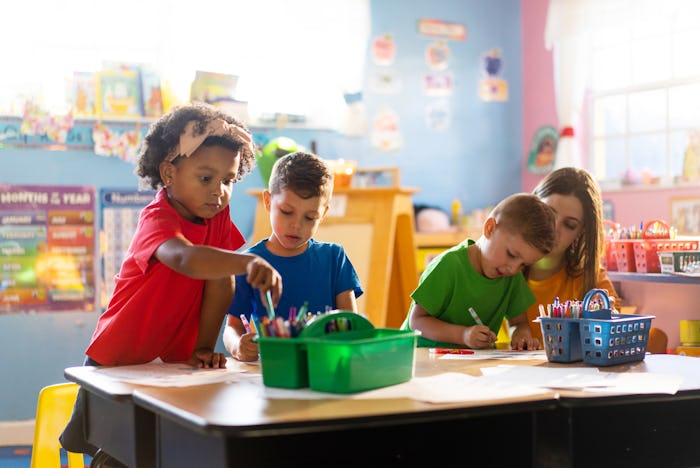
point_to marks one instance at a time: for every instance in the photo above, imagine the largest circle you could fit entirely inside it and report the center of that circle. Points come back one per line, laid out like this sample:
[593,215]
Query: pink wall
[668,302]
[538,81]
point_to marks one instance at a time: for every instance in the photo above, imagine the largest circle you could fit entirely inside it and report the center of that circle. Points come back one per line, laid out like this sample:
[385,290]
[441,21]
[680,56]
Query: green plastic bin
[339,362]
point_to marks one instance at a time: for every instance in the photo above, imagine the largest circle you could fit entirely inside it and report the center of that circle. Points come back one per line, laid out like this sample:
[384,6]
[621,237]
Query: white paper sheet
[160,374]
[448,387]
[590,379]
[509,354]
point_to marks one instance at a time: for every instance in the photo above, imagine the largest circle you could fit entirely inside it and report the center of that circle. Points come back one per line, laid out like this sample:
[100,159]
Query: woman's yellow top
[566,288]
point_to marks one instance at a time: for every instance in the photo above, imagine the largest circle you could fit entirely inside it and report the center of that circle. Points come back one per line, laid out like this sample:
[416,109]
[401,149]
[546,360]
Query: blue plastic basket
[562,340]
[600,338]
[621,339]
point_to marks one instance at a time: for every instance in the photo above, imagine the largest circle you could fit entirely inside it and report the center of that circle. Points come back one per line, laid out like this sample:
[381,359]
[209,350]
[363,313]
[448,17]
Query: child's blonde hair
[525,214]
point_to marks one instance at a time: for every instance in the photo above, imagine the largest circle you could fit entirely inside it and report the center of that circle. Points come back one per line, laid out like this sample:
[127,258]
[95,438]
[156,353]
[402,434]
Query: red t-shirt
[154,311]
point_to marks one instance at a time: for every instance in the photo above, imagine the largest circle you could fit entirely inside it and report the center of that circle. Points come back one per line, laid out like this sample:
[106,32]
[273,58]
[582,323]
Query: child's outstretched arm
[204,262]
[238,341]
[522,335]
[476,337]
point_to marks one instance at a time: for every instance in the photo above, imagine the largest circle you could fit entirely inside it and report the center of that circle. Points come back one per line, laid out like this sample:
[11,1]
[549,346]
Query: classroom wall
[476,159]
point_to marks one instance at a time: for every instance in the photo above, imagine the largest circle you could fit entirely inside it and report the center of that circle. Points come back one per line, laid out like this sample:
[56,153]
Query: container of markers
[597,337]
[338,352]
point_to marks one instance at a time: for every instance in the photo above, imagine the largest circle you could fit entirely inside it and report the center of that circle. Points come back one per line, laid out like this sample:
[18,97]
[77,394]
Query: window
[295,57]
[644,88]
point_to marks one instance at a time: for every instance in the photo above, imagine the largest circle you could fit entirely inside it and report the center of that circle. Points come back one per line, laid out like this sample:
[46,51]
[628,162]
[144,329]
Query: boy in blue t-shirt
[465,292]
[317,273]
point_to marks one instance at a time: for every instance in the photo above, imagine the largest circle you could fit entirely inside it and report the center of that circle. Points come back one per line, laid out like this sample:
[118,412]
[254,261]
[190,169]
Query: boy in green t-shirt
[465,292]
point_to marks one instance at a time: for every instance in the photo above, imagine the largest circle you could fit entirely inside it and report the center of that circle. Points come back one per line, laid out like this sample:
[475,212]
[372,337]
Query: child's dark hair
[527,215]
[164,136]
[305,174]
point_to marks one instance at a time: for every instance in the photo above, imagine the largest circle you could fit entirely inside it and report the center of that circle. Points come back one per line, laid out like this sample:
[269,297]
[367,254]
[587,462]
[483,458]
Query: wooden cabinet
[376,228]
[428,245]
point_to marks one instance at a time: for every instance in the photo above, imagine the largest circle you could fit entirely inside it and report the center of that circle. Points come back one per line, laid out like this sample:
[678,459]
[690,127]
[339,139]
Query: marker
[246,324]
[475,317]
[450,351]
[270,309]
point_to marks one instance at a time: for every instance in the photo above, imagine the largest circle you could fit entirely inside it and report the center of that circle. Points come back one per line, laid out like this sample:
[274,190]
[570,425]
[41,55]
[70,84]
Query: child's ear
[489,227]
[166,172]
[267,199]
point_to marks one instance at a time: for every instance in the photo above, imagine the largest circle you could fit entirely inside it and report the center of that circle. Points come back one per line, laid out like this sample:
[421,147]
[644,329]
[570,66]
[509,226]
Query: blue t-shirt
[315,276]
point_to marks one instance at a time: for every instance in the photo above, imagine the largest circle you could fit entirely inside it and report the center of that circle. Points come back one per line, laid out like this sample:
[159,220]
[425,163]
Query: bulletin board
[47,248]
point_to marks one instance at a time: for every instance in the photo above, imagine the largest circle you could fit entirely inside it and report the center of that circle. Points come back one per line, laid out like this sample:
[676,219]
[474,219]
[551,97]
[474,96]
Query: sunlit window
[645,91]
[296,57]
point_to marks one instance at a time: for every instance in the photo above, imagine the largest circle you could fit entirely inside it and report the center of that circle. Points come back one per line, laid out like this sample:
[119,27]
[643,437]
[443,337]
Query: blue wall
[477,159]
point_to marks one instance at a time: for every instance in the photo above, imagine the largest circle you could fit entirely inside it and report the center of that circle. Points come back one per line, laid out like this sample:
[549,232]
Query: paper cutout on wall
[439,28]
[111,142]
[385,81]
[385,132]
[493,88]
[383,50]
[437,55]
[437,85]
[438,116]
[543,150]
[38,122]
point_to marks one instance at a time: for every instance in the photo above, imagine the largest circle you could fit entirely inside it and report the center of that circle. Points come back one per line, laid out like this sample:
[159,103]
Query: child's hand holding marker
[478,336]
[247,348]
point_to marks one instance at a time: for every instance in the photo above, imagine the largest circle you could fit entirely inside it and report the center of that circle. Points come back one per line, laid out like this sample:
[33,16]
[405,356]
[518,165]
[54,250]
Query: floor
[20,456]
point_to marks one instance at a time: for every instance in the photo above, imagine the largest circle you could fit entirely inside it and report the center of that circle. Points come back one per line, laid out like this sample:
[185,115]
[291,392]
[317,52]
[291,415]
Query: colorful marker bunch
[275,326]
[569,309]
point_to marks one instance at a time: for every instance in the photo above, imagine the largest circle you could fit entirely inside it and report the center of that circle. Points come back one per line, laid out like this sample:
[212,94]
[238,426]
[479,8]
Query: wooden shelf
[445,239]
[652,277]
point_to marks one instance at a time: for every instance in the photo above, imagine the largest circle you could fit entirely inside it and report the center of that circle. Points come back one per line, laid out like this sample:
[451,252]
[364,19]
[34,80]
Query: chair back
[53,410]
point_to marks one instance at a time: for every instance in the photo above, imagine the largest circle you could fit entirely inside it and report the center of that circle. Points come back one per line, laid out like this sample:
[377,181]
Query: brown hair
[527,215]
[305,174]
[583,257]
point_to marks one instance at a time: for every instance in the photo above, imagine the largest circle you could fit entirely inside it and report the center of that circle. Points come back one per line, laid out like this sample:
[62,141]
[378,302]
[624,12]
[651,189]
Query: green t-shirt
[450,285]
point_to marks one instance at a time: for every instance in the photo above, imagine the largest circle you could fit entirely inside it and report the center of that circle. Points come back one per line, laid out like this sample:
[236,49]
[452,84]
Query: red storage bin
[623,253]
[655,237]
[608,261]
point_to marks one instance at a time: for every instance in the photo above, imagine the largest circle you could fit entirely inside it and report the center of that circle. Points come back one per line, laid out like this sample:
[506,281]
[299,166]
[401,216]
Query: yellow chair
[53,410]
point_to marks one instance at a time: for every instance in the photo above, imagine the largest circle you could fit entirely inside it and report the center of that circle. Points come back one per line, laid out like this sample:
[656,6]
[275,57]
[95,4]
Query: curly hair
[303,173]
[165,133]
[583,257]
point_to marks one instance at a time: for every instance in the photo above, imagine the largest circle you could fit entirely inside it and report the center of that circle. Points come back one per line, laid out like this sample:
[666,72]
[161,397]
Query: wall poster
[47,248]
[120,215]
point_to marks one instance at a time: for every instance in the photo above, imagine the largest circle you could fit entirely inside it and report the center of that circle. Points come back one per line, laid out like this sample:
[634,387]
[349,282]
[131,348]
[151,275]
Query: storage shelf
[652,277]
